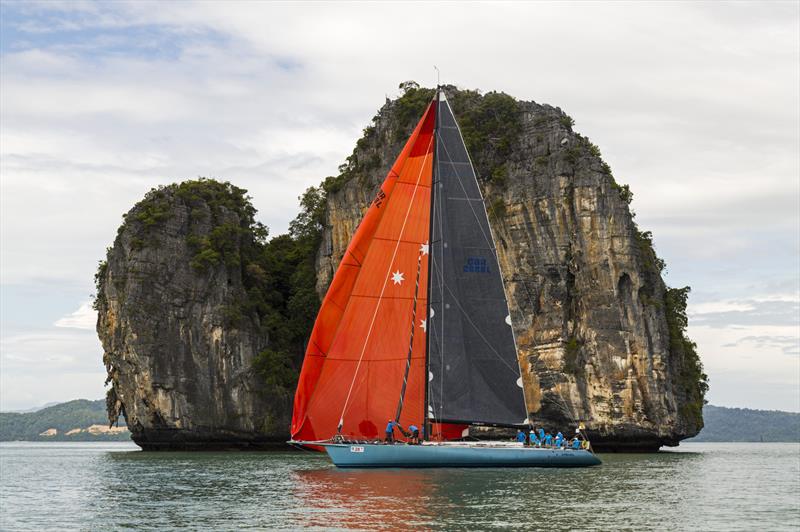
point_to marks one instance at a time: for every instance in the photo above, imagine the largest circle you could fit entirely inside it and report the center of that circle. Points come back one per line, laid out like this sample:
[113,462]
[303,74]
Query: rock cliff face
[600,337]
[181,349]
[203,322]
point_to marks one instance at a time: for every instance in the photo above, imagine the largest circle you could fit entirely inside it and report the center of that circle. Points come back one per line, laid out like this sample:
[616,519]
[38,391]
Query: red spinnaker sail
[356,356]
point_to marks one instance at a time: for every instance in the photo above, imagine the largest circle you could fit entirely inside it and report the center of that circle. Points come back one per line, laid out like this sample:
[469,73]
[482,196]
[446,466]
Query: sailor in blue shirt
[414,434]
[541,434]
[576,443]
[533,439]
[521,436]
[548,439]
[559,439]
[390,431]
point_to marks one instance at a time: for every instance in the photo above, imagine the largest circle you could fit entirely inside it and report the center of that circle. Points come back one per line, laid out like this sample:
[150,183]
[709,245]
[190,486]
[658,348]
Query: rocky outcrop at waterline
[203,320]
[600,336]
[191,314]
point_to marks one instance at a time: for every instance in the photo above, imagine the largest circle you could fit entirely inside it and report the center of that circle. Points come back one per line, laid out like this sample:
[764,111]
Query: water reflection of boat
[363,499]
[415,327]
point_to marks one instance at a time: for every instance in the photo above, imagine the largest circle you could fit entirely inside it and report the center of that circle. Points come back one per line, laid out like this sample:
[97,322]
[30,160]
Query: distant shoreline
[82,420]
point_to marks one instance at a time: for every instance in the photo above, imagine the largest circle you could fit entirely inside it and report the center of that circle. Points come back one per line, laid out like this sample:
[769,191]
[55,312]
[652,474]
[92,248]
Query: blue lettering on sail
[476,265]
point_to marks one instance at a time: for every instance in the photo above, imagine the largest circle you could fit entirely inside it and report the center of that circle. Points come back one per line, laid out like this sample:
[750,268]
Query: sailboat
[415,327]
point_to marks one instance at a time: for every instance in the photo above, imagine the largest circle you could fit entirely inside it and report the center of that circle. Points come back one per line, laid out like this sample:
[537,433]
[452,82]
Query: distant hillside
[721,424]
[78,420]
[743,424]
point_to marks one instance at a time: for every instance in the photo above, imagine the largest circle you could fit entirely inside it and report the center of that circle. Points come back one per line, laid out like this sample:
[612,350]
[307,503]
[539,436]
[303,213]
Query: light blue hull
[399,455]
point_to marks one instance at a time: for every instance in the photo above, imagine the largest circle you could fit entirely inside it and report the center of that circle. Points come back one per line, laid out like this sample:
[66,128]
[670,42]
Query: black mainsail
[474,374]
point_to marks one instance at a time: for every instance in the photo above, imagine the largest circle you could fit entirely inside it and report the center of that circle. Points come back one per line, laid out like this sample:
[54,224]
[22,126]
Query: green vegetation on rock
[234,237]
[409,107]
[491,125]
[650,260]
[278,275]
[366,156]
[572,349]
[497,208]
[624,191]
[289,278]
[690,377]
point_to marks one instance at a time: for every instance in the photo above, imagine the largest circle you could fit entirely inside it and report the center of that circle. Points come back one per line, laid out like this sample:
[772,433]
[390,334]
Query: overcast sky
[695,105]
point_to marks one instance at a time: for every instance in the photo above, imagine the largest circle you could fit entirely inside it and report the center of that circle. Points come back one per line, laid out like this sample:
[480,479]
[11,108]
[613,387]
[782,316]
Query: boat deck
[455,454]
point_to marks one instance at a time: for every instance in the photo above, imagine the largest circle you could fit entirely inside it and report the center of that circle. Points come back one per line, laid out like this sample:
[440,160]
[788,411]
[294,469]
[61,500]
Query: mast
[426,424]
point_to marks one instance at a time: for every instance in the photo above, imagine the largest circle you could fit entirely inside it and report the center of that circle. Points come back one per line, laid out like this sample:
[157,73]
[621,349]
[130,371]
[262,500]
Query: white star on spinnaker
[397,277]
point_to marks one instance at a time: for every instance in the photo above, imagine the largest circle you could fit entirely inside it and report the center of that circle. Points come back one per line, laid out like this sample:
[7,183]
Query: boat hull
[418,456]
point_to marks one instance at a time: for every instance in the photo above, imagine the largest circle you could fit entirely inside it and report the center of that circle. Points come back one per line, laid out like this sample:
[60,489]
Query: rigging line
[440,269]
[436,230]
[433,337]
[383,288]
[426,406]
[489,241]
[439,338]
[560,406]
[411,341]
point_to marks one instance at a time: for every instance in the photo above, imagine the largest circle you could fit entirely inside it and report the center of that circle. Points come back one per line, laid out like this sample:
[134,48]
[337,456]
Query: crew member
[521,437]
[414,434]
[576,443]
[559,439]
[548,440]
[533,439]
[390,431]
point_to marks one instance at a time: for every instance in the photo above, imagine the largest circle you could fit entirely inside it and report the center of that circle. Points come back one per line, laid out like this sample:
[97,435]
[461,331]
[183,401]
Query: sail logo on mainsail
[476,265]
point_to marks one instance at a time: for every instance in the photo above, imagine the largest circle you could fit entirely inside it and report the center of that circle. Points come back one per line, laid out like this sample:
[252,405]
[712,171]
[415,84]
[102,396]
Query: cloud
[42,365]
[788,344]
[747,313]
[83,318]
[751,366]
[52,351]
[694,105]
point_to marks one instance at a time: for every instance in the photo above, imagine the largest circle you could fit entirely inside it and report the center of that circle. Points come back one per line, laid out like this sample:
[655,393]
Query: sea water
[107,486]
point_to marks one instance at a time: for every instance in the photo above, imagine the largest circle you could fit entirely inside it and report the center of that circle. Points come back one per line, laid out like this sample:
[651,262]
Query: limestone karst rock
[600,337]
[185,326]
[203,324]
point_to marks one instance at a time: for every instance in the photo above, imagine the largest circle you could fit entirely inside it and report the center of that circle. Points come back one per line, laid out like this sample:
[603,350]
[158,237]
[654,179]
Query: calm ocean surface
[95,486]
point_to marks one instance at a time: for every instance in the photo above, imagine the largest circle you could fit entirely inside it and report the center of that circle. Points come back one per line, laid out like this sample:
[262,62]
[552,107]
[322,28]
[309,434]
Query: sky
[695,105]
